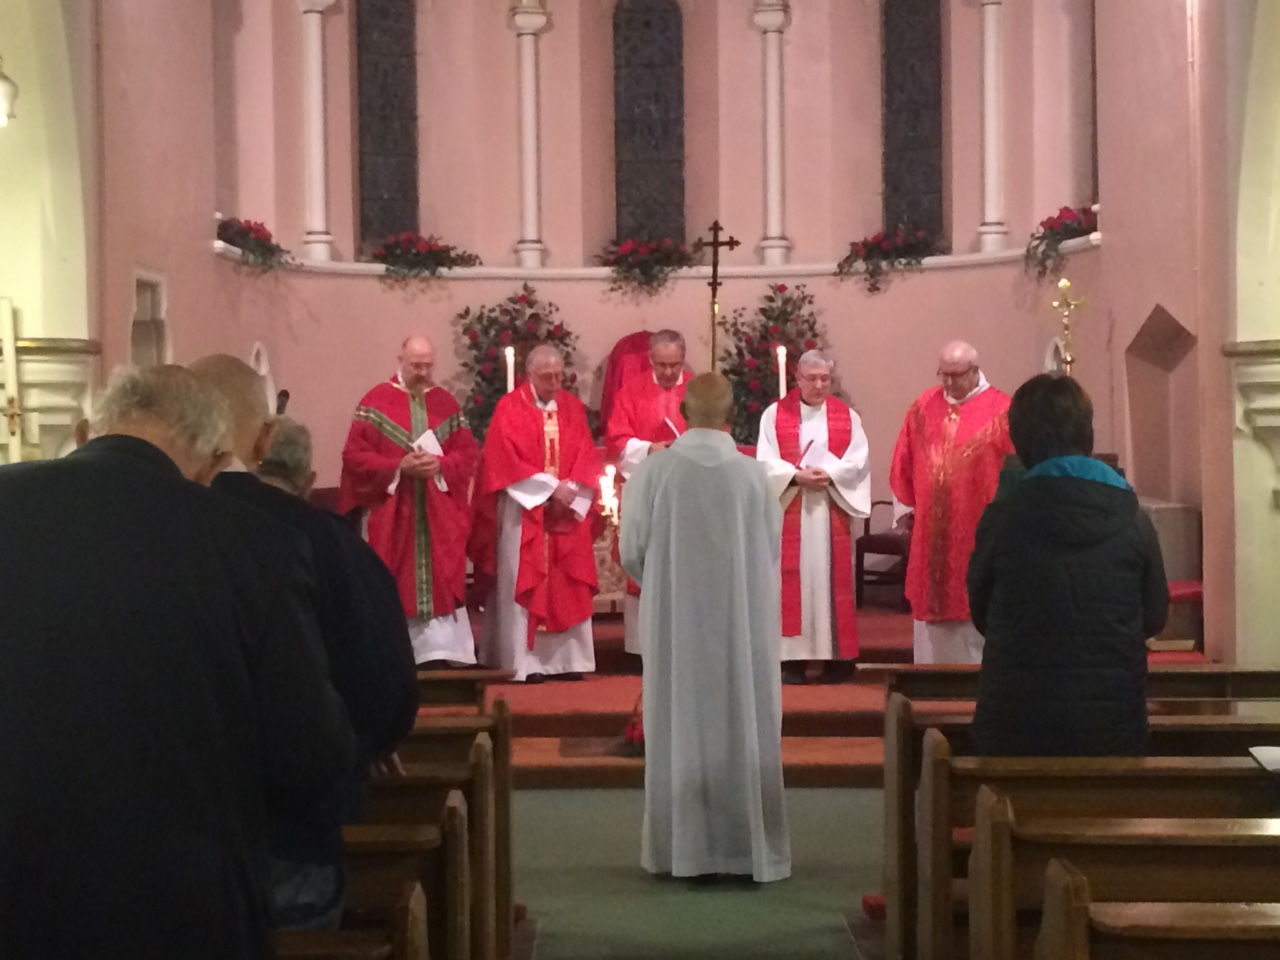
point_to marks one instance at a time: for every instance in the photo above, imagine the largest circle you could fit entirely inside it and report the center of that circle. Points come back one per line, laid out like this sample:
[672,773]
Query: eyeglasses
[945,376]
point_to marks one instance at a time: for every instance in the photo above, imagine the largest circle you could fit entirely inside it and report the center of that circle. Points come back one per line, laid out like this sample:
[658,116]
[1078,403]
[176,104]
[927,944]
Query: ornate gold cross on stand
[1065,305]
[714,244]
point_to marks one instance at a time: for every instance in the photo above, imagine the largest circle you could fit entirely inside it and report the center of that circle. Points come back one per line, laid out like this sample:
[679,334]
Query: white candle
[9,343]
[511,367]
[782,372]
[608,493]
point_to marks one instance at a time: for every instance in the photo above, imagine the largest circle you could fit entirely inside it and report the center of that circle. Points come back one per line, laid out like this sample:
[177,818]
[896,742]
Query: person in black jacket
[1066,582]
[163,690]
[370,665]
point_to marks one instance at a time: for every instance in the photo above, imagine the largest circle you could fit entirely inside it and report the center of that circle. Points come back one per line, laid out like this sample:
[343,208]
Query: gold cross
[13,415]
[1064,305]
[715,243]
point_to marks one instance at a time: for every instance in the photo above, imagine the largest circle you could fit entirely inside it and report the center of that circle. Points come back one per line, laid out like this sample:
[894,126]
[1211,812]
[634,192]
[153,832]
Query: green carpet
[577,868]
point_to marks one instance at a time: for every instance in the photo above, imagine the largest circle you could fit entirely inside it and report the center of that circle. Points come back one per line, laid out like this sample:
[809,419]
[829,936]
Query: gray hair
[173,398]
[815,358]
[664,337]
[290,456]
[543,351]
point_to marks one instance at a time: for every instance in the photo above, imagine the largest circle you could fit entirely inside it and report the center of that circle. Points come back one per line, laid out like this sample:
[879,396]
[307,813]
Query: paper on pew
[1268,758]
[427,443]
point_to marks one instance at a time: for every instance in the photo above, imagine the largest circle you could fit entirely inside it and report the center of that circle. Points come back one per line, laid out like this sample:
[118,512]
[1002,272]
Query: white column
[528,19]
[993,230]
[317,242]
[772,17]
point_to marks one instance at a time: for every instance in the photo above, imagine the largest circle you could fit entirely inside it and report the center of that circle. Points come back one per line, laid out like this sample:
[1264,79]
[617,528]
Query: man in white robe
[816,454]
[700,534]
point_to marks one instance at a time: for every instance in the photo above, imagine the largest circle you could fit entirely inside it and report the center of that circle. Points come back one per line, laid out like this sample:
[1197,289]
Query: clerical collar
[537,401]
[982,385]
[399,382]
[235,466]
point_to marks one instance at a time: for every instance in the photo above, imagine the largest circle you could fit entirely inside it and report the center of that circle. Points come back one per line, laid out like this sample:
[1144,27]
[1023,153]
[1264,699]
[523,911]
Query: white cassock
[850,491]
[504,640]
[701,534]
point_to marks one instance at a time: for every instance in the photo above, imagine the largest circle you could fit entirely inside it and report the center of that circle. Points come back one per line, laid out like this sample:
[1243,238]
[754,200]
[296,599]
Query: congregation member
[164,690]
[533,538]
[702,538]
[369,665]
[646,419]
[407,467]
[1066,583]
[946,467]
[816,454]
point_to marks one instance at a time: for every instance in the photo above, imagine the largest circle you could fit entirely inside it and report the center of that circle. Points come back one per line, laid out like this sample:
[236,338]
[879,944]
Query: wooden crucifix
[715,243]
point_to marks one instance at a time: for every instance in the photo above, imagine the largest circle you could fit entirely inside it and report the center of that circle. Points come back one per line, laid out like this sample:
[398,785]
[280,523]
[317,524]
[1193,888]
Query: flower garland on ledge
[785,317]
[644,266]
[883,252]
[521,321]
[411,256]
[258,248]
[1043,256]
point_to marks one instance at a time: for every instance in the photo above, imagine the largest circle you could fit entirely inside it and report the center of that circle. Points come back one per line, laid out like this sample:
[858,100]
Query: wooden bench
[459,688]
[1073,927]
[1187,860]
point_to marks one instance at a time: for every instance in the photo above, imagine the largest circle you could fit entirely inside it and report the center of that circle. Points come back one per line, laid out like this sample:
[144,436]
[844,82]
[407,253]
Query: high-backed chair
[890,543]
[628,358]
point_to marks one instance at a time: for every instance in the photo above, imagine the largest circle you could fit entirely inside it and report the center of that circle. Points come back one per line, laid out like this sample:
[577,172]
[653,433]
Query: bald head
[544,366]
[708,401]
[417,363]
[245,393]
[958,369]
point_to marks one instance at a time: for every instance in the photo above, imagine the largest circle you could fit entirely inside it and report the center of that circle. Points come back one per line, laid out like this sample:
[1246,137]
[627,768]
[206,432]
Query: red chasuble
[839,433]
[946,465]
[420,531]
[557,575]
[640,412]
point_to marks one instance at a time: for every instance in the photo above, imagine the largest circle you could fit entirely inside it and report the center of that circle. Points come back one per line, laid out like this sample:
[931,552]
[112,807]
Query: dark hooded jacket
[1066,582]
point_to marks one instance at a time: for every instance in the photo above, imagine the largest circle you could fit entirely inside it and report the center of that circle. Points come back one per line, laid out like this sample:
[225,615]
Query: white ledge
[949,262]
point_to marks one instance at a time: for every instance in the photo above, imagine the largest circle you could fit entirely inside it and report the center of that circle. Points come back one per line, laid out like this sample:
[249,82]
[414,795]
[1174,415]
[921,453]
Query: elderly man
[816,454]
[646,418]
[533,540]
[164,690]
[701,536]
[369,664]
[945,469]
[407,465]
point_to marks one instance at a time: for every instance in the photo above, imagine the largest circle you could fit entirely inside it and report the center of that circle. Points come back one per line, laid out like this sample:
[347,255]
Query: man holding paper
[816,455]
[407,465]
[646,419]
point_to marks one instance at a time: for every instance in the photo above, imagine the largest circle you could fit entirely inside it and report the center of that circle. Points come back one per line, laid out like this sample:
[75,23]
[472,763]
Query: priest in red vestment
[945,469]
[407,464]
[533,539]
[645,419]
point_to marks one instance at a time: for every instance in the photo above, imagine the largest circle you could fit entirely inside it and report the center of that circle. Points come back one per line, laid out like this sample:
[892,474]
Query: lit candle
[511,368]
[782,372]
[608,493]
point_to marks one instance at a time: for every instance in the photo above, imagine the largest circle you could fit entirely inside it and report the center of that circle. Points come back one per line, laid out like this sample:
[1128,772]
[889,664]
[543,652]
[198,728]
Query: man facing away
[407,464]
[701,537]
[646,419]
[533,540]
[946,466]
[164,690]
[816,454]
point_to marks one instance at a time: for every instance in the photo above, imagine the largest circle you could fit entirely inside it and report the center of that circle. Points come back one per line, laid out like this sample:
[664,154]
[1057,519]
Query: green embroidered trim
[388,427]
[421,531]
[449,425]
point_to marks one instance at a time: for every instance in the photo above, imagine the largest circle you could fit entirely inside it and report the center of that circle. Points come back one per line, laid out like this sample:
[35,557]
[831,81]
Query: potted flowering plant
[410,256]
[873,257]
[258,249]
[785,317]
[521,321]
[644,266]
[1043,256]
[633,736]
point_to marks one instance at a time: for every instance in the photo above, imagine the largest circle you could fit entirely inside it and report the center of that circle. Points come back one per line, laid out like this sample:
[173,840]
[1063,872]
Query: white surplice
[702,535]
[850,491]
[443,638]
[504,639]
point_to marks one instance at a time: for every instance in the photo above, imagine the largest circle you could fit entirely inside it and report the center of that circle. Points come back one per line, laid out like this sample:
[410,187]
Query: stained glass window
[912,61]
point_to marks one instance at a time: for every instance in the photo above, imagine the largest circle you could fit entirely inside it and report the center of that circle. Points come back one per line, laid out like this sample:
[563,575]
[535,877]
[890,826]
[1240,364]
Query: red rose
[811,344]
[782,288]
[774,329]
[753,406]
[1067,214]
[626,246]
[505,336]
[474,335]
[1053,223]
[877,238]
[749,342]
[557,330]
[751,363]
[666,242]
[391,238]
[379,254]
[478,399]
[753,385]
[919,234]
[486,369]
[684,249]
[523,298]
[491,352]
[884,244]
[406,237]
[422,246]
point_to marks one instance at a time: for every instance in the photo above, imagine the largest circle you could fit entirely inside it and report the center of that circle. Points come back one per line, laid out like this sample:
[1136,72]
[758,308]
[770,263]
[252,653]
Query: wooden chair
[889,543]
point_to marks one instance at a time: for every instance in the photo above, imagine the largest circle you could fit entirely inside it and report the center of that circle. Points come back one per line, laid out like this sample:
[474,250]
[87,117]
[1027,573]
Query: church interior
[181,178]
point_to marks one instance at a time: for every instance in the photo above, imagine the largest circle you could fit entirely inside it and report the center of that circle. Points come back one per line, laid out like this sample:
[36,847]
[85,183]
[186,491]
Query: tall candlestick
[511,367]
[782,372]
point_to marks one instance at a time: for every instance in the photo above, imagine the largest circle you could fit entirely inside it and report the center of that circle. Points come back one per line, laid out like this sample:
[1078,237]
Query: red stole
[839,433]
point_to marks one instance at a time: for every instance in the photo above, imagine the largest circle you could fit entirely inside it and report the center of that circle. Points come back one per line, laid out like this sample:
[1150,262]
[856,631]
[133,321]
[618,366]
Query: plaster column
[993,231]
[317,242]
[772,17]
[528,19]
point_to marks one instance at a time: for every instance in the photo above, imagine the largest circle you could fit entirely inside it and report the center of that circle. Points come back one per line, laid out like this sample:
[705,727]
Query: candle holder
[1066,305]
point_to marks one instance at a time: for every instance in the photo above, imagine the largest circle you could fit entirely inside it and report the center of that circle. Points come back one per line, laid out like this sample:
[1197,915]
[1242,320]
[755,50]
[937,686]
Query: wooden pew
[1061,786]
[1188,860]
[459,688]
[1073,927]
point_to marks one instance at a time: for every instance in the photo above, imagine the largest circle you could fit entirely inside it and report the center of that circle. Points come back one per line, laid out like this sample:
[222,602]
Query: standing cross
[13,415]
[715,243]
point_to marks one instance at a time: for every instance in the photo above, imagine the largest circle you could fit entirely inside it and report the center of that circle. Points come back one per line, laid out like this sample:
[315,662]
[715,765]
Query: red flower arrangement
[883,252]
[1043,256]
[633,737]
[410,255]
[521,321]
[785,317]
[258,248]
[645,266]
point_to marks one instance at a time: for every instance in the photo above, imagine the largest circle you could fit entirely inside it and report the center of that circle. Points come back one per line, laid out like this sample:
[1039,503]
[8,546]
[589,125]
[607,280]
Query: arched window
[648,97]
[912,58]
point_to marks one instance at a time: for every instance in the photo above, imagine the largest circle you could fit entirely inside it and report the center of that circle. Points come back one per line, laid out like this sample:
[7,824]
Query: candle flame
[609,493]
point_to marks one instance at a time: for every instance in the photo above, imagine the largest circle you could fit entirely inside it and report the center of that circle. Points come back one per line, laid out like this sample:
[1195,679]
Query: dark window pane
[913,114]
